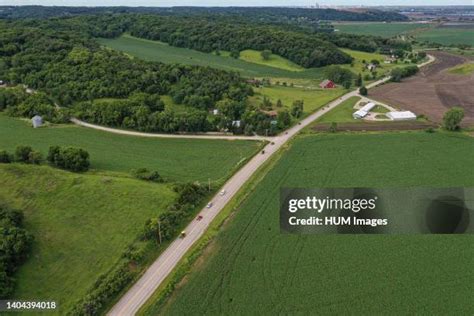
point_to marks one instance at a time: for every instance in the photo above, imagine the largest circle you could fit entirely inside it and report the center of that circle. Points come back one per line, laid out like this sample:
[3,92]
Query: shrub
[22,153]
[35,157]
[69,158]
[363,91]
[266,54]
[398,74]
[333,127]
[147,175]
[452,119]
[297,108]
[5,157]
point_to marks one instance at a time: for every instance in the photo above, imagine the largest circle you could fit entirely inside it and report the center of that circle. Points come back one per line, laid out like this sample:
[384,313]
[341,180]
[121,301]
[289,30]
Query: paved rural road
[141,291]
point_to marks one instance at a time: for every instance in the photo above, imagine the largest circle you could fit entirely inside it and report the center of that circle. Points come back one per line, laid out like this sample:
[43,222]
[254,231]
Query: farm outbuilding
[362,112]
[37,121]
[327,84]
[401,116]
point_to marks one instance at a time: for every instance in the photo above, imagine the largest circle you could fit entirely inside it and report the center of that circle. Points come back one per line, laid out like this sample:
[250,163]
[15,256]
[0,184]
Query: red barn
[327,84]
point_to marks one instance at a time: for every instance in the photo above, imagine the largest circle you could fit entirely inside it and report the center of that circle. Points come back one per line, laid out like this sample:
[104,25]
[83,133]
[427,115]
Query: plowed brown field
[433,91]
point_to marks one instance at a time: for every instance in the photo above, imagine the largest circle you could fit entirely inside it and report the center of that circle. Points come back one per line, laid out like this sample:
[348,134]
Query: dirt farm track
[433,91]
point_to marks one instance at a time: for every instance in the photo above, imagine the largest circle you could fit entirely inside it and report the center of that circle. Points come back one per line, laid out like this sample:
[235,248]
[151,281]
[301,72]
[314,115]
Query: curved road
[141,134]
[141,291]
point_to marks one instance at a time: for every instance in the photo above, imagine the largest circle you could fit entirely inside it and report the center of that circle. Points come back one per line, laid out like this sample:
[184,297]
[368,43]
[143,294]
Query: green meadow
[81,224]
[252,268]
[174,159]
[313,99]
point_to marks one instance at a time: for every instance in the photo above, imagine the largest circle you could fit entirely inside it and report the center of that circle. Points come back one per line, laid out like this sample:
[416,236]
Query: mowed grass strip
[174,159]
[82,223]
[254,56]
[254,269]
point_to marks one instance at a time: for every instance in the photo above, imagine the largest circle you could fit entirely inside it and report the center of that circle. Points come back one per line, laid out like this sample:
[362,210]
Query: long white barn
[401,116]
[363,111]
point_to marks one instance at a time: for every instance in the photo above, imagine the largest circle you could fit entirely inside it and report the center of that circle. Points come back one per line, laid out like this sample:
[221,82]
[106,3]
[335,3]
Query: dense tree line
[68,158]
[398,74]
[69,68]
[15,243]
[269,14]
[61,61]
[214,35]
[367,43]
[73,69]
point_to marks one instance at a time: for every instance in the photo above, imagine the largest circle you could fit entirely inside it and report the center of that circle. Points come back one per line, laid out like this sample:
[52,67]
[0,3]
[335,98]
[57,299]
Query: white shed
[363,111]
[401,116]
[37,121]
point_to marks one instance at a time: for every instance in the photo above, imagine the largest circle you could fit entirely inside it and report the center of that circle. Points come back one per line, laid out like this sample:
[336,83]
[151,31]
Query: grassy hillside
[81,224]
[253,56]
[175,159]
[252,268]
[377,29]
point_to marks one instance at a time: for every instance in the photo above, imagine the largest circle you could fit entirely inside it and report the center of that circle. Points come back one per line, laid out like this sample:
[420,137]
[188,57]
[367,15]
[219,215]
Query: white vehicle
[223,192]
[209,205]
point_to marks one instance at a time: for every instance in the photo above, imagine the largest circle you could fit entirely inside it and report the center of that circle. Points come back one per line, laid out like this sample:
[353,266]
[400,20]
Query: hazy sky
[166,3]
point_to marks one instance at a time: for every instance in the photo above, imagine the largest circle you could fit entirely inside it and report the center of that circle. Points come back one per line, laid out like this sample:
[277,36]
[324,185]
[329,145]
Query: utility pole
[159,231]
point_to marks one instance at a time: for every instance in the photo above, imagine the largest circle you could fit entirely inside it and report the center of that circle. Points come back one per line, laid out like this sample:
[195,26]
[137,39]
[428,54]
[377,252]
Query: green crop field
[448,35]
[253,56]
[251,268]
[378,29]
[81,224]
[174,159]
[313,99]
[158,51]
